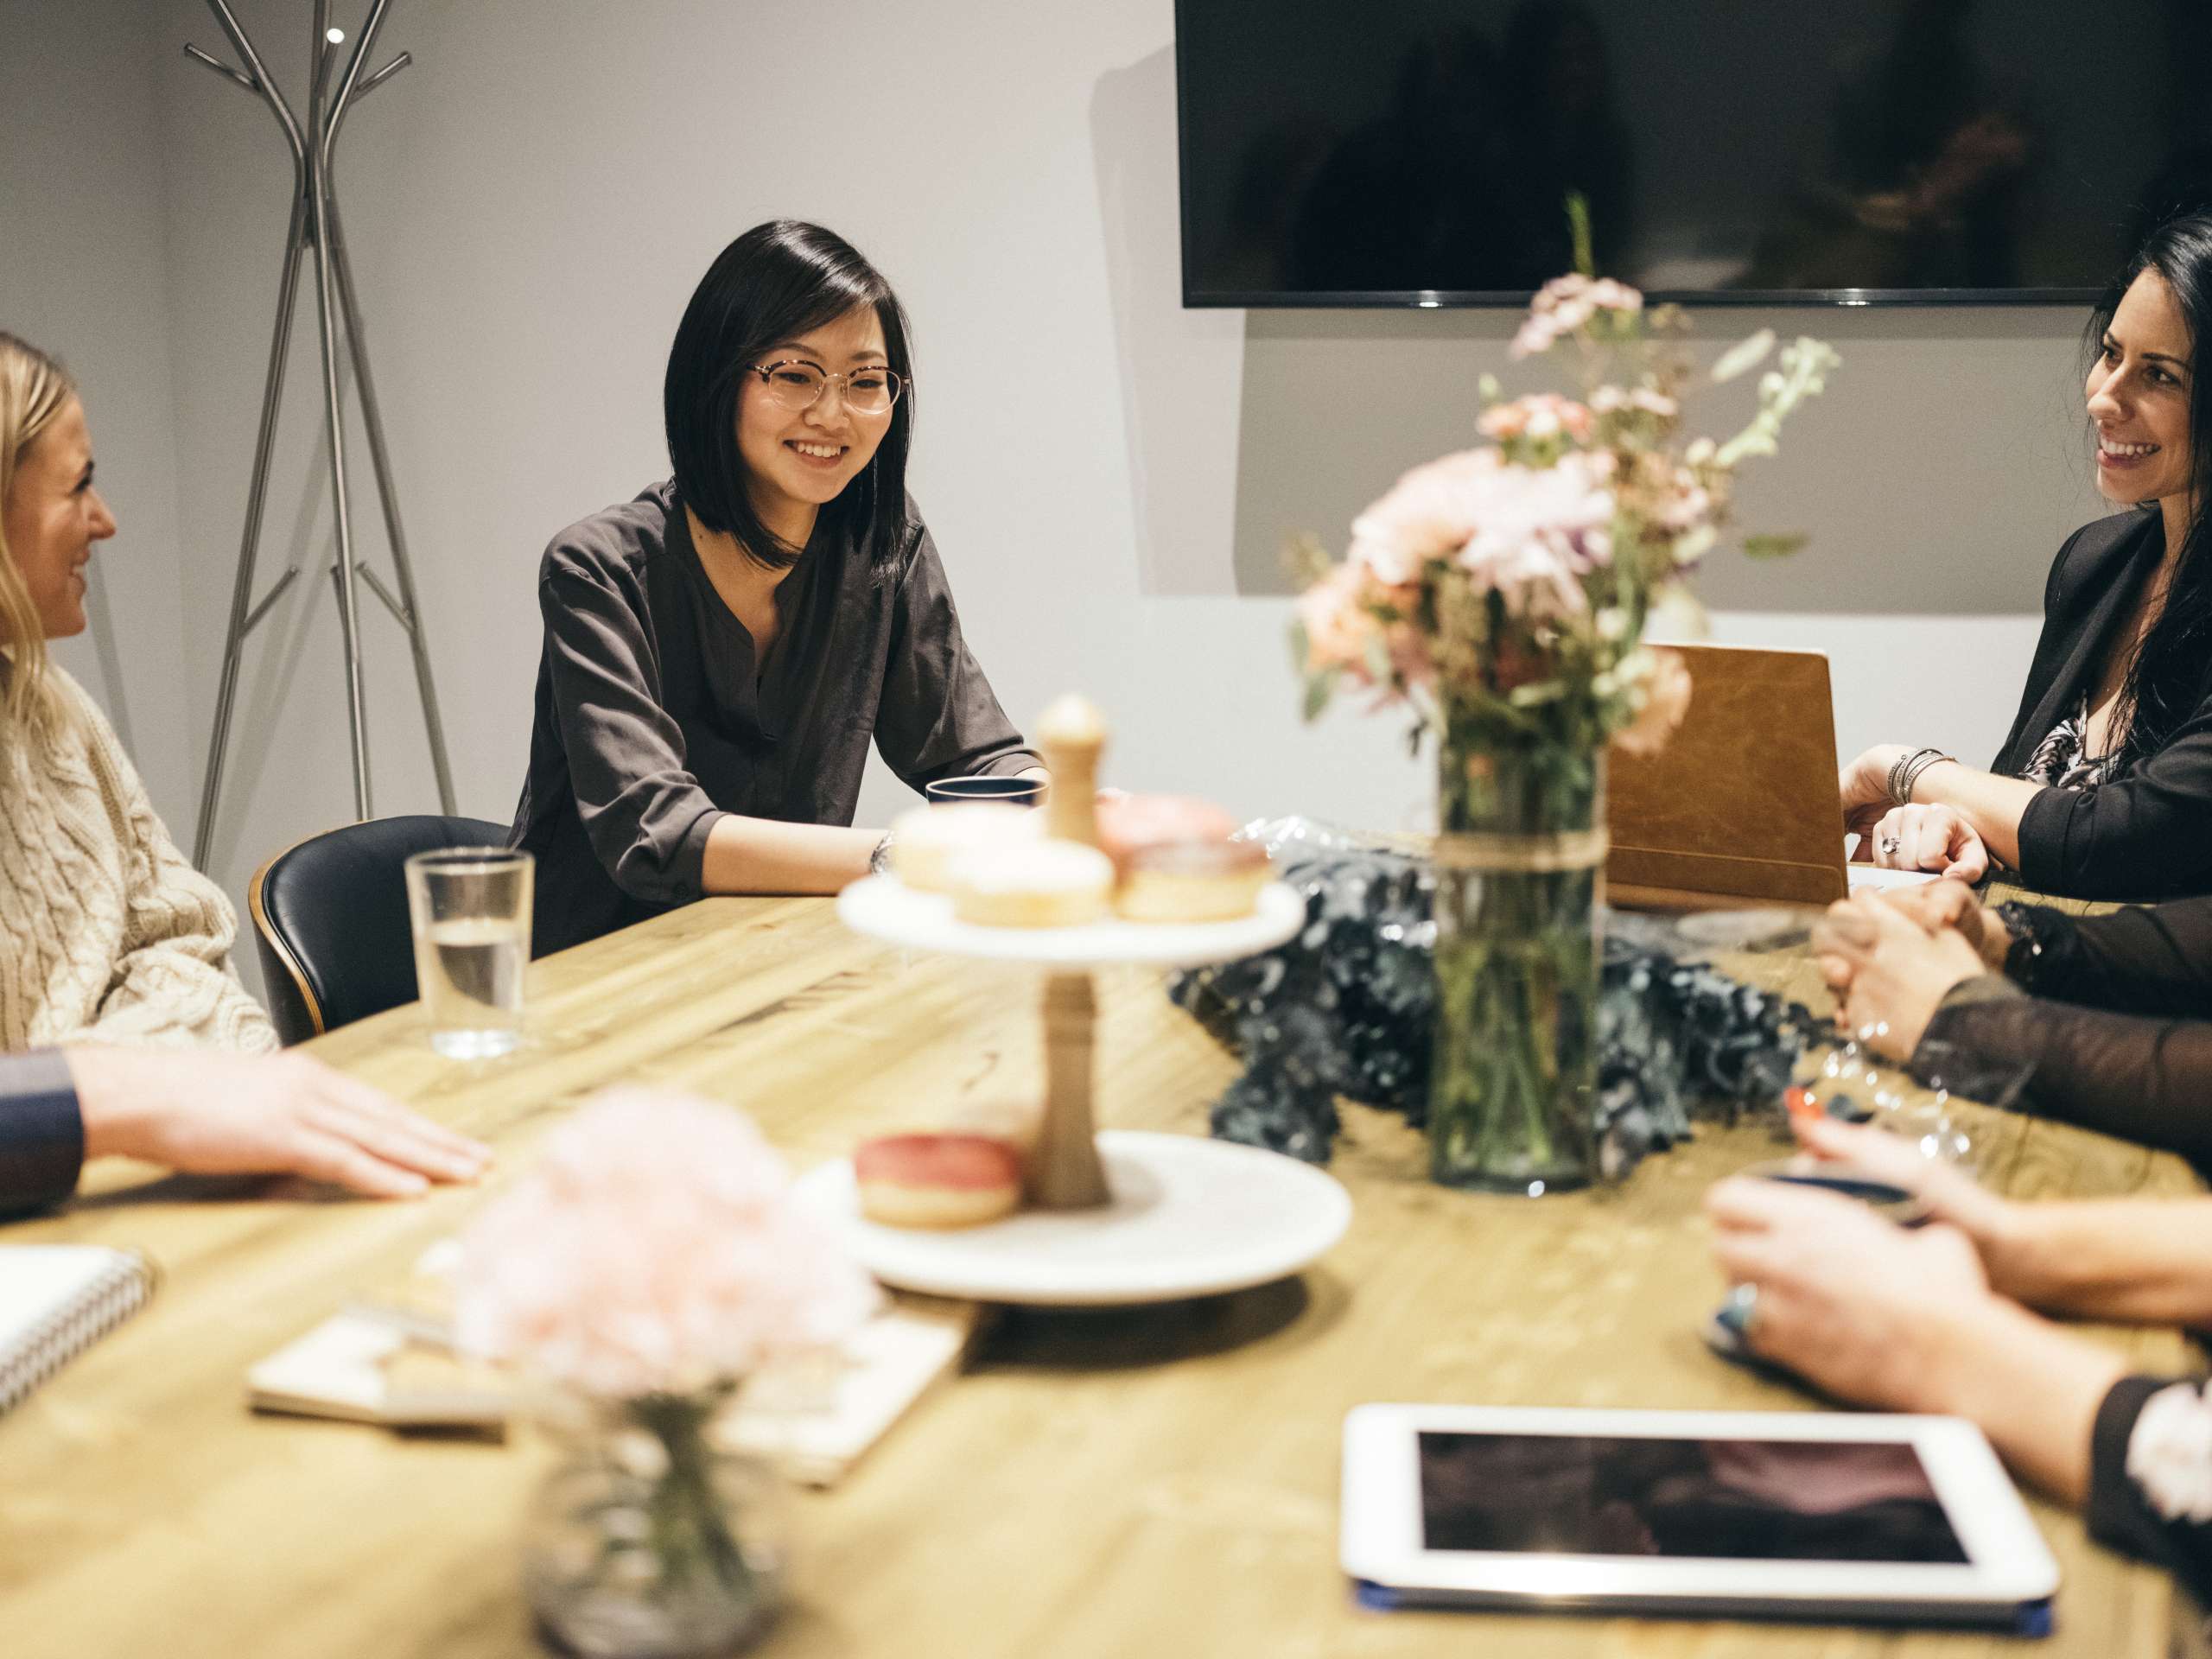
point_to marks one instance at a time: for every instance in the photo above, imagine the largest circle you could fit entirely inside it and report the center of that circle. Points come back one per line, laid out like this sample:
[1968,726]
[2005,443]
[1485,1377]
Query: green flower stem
[1512,1085]
[690,1532]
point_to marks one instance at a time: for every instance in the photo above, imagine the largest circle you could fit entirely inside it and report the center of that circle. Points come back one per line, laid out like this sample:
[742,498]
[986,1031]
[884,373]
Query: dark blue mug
[1014,791]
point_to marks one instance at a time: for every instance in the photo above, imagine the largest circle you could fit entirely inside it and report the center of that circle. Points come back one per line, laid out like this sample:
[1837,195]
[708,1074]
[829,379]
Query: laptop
[1741,808]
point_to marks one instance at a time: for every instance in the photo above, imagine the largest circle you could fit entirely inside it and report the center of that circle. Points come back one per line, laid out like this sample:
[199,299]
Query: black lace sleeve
[2153,959]
[2141,1078]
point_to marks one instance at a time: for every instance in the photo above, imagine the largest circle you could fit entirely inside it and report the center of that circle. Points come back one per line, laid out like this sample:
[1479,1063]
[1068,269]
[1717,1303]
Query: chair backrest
[330,917]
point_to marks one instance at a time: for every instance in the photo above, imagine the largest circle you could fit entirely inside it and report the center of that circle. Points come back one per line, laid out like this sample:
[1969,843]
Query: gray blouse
[653,717]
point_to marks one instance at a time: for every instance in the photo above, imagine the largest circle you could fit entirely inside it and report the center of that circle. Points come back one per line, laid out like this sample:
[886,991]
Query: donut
[925,841]
[1194,881]
[1129,823]
[1039,884]
[936,1180]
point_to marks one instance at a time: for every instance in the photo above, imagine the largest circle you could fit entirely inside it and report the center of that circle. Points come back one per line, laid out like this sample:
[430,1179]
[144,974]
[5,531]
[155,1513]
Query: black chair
[330,916]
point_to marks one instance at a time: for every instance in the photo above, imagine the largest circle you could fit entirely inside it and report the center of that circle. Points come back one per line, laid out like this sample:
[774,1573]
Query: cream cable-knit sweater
[108,933]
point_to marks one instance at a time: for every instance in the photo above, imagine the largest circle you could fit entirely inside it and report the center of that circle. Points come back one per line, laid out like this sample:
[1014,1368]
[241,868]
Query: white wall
[1109,474]
[83,255]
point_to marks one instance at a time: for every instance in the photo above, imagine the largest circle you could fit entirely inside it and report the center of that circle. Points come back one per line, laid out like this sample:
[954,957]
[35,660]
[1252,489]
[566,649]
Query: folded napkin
[394,1366]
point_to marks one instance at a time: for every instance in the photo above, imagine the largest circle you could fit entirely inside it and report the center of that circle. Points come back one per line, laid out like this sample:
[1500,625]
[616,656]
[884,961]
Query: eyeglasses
[796,384]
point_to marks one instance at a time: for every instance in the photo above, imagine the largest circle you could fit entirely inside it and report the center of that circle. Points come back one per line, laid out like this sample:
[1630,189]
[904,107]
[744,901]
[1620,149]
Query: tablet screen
[1735,1500]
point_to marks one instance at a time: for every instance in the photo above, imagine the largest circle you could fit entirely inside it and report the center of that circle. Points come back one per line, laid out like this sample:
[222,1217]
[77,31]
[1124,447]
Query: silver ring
[1888,845]
[1741,1311]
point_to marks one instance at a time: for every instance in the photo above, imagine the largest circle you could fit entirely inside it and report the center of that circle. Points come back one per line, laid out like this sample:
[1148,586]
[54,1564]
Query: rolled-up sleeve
[42,1131]
[647,817]
[2145,835]
[2150,1475]
[939,717]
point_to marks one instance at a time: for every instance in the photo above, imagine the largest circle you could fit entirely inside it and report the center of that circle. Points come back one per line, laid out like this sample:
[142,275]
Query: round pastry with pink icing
[1130,824]
[936,1180]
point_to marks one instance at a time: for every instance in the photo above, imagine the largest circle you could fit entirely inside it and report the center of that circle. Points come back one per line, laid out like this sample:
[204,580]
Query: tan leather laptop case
[1741,807]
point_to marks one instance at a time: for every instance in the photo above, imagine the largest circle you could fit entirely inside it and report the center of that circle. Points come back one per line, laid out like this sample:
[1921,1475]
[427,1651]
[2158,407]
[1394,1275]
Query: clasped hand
[1890,957]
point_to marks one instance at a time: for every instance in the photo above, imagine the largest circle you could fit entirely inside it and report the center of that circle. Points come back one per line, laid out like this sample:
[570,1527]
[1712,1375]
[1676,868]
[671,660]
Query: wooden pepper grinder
[1064,1171]
[1070,733]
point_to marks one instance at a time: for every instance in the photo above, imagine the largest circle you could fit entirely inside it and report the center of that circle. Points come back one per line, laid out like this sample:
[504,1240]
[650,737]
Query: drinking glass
[1915,1103]
[471,907]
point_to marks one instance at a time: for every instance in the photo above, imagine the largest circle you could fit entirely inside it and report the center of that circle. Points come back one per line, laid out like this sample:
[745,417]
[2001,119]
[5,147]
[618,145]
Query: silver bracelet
[1907,770]
[1915,772]
[879,861]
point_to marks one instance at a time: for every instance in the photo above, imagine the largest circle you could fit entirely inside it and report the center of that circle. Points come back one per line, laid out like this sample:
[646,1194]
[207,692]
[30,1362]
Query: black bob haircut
[774,283]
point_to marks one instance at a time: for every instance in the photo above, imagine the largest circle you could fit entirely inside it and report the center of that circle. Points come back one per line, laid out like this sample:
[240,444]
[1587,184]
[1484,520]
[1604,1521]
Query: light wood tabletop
[1156,1482]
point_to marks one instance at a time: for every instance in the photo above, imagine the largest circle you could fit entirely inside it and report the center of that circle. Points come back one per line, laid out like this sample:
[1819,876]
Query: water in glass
[471,909]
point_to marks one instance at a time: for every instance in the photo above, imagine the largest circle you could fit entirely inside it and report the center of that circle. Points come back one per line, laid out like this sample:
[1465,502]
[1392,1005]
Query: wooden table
[1157,1483]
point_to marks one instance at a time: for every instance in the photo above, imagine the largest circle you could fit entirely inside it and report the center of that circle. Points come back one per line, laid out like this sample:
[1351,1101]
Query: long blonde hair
[34,389]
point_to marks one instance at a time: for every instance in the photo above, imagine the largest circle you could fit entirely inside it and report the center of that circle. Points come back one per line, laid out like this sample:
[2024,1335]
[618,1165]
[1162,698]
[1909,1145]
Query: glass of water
[471,908]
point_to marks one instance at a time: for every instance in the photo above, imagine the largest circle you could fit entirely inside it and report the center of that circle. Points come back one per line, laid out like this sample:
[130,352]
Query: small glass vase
[1513,1076]
[650,1540]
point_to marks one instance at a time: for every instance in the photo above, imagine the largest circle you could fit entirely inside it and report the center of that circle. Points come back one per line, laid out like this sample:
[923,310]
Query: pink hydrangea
[1427,515]
[1606,399]
[1661,701]
[1567,303]
[1529,532]
[1340,626]
[655,1248]
[1541,414]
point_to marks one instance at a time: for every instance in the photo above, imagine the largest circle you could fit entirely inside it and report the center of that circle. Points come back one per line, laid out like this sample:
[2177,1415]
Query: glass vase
[649,1539]
[1513,1073]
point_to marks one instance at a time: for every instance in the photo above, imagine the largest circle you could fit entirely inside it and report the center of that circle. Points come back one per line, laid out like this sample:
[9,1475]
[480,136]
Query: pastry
[936,1180]
[1194,881]
[1039,884]
[1128,823]
[925,841]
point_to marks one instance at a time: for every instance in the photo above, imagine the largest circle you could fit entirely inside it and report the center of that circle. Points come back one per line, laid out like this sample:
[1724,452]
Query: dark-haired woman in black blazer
[2104,787]
[719,652]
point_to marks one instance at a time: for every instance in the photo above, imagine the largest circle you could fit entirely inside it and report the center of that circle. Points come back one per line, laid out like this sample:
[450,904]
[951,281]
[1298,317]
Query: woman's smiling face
[52,515]
[2138,397]
[796,460]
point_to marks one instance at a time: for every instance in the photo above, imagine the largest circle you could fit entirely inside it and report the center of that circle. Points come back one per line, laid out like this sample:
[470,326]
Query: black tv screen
[1420,152]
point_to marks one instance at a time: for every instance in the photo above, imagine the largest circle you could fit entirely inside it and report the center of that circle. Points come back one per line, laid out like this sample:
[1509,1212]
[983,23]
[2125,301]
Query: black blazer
[2147,835]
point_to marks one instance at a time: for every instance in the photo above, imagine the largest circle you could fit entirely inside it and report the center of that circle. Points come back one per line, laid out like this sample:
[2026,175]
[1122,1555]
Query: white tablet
[1791,1515]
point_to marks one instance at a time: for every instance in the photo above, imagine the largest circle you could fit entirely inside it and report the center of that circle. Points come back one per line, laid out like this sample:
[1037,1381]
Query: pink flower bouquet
[1502,595]
[1501,592]
[650,1260]
[655,1249]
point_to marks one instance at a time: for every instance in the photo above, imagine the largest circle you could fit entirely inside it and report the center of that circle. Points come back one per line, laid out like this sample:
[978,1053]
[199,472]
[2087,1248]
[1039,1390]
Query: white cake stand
[1158,1216]
[885,908]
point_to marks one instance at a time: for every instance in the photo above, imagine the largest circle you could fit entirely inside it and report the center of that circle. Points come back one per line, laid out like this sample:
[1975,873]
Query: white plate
[1189,1217]
[885,908]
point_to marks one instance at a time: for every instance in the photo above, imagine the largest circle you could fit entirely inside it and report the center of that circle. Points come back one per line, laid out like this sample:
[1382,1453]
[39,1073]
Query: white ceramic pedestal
[1157,1216]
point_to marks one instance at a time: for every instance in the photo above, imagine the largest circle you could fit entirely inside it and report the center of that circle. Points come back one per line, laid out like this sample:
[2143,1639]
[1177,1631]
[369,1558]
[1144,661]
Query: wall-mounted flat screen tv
[1420,152]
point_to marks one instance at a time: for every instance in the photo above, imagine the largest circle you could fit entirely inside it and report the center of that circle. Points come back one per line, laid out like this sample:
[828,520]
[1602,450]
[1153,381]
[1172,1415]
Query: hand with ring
[1855,1305]
[1929,838]
[1864,786]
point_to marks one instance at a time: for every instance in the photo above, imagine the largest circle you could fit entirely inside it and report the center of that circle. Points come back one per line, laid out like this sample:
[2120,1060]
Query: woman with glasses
[720,650]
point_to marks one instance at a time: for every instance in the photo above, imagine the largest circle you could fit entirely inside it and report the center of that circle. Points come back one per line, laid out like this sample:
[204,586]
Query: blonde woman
[110,932]
[110,941]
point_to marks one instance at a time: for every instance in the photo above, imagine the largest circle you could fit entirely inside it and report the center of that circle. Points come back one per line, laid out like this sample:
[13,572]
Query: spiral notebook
[55,1301]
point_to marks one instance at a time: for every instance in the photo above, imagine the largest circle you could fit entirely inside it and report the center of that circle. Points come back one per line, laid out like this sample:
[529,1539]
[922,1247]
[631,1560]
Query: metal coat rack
[315,228]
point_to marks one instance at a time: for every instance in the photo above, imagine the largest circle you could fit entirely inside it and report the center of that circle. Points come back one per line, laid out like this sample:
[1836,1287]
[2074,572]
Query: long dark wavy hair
[774,283]
[2168,676]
